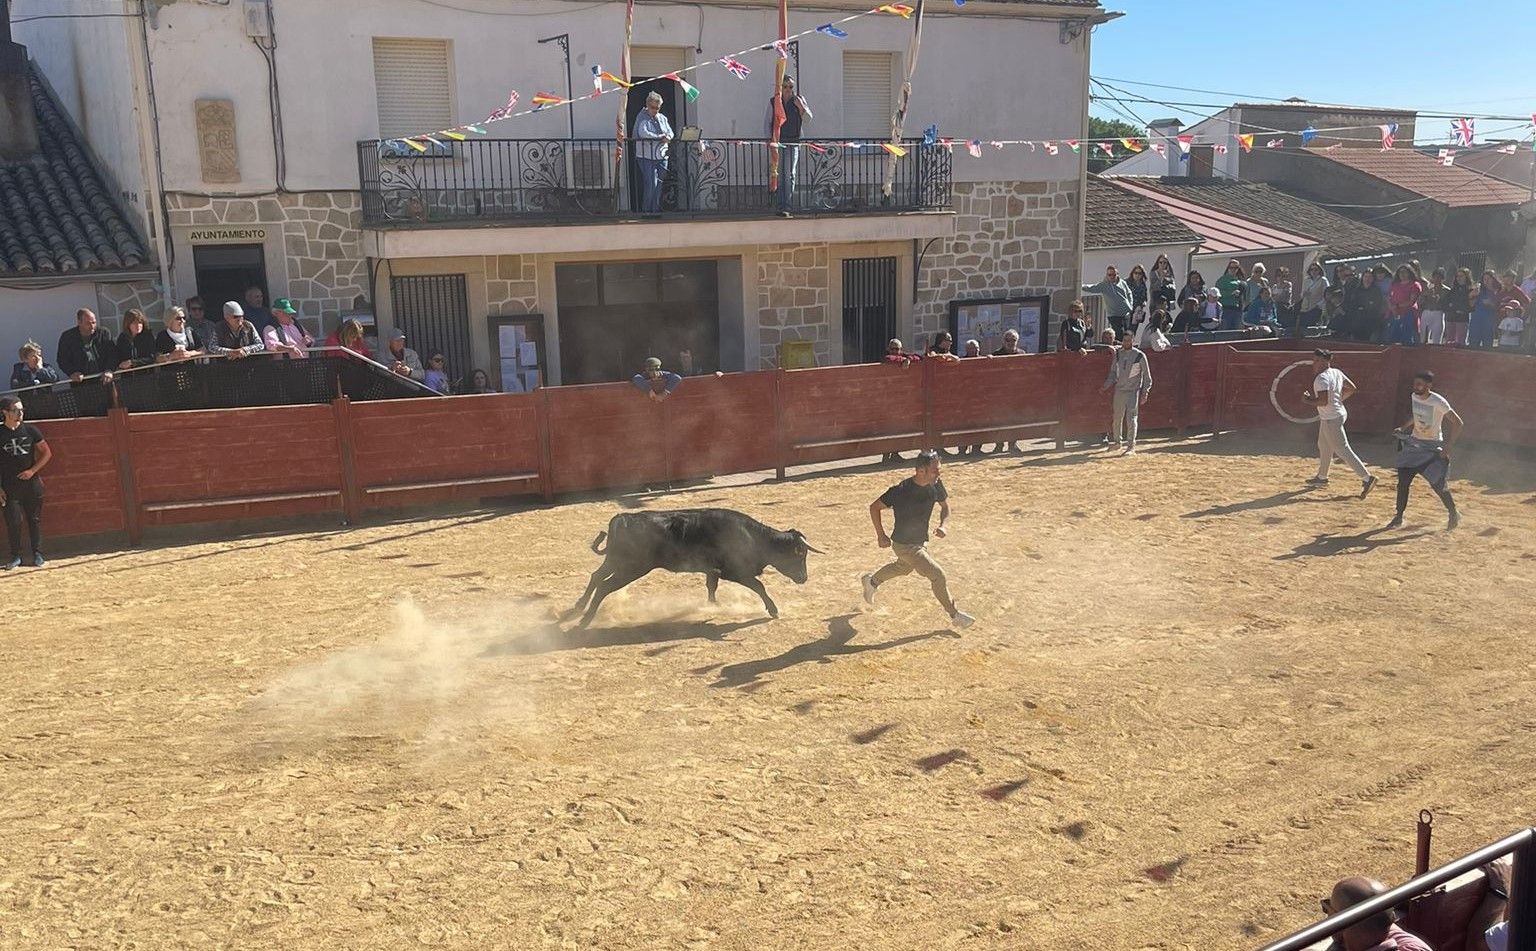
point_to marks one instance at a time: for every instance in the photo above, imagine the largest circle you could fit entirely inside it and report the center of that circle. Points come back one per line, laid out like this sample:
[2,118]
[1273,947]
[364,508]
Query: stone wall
[116,299]
[1012,239]
[509,285]
[322,241]
[794,301]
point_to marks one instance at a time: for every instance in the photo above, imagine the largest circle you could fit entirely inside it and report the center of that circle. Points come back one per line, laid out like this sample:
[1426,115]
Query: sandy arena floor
[1195,697]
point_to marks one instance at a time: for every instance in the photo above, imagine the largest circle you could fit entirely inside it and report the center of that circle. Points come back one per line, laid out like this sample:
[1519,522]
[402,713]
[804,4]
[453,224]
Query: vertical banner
[780,61]
[900,117]
[620,131]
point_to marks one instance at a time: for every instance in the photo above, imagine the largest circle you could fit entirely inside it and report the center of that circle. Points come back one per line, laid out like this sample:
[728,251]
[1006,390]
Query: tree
[1109,129]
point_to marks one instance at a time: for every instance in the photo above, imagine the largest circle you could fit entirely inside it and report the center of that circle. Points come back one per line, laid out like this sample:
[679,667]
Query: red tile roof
[1421,174]
[1223,233]
[1122,219]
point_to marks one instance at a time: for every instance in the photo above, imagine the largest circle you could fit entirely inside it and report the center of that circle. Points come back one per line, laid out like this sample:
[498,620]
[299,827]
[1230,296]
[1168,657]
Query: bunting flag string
[900,9]
[1447,157]
[974,148]
[735,66]
[1462,133]
[1508,149]
[1388,135]
[1275,144]
[1075,146]
[1246,141]
[1219,149]
[1132,145]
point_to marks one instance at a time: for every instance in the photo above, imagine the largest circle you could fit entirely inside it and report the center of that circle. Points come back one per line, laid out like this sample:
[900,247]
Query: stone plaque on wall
[216,140]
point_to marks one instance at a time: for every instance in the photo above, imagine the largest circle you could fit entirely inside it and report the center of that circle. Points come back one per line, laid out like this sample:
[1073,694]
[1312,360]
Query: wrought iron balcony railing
[578,180]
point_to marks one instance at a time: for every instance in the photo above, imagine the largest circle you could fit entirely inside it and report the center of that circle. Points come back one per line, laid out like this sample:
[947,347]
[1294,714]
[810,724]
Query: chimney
[18,123]
[1162,130]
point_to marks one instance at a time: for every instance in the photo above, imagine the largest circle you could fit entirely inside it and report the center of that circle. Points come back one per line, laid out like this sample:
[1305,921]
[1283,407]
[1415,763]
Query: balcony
[577,182]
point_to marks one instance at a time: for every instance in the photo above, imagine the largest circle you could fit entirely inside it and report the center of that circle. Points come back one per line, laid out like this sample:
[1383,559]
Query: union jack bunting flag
[1461,132]
[738,69]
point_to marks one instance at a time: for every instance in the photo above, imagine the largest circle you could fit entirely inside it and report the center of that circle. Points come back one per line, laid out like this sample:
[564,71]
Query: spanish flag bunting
[604,74]
[1132,145]
[542,99]
[900,9]
[1246,141]
[895,150]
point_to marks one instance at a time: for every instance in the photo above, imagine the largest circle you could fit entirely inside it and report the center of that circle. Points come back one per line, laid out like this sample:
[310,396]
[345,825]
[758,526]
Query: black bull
[717,543]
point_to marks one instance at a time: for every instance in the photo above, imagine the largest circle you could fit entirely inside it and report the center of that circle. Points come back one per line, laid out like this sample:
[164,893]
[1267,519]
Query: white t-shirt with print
[1329,389]
[1510,329]
[1428,413]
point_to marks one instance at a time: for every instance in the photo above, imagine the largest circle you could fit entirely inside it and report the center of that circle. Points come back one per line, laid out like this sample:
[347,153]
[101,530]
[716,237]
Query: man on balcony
[796,114]
[652,135]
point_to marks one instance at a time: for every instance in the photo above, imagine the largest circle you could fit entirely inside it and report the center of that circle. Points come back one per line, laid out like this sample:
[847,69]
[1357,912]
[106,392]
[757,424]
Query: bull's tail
[599,541]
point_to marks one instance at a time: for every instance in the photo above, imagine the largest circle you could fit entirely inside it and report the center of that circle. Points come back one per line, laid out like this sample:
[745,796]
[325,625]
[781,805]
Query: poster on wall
[987,320]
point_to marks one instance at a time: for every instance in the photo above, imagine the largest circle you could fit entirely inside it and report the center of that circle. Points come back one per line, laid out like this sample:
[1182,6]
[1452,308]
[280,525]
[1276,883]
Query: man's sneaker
[961,619]
[1453,521]
[13,563]
[1112,445]
[868,581]
[1397,522]
[37,560]
[1316,481]
[1129,451]
[1367,486]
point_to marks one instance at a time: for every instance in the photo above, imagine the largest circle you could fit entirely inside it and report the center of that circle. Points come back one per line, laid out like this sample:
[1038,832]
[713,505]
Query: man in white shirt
[1425,447]
[1329,390]
[652,136]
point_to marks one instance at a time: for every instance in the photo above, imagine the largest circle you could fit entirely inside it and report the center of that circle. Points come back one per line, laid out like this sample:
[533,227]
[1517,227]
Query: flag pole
[781,49]
[619,131]
[900,116]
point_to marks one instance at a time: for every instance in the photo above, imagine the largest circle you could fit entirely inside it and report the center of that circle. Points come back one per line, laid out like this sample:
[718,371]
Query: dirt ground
[1195,697]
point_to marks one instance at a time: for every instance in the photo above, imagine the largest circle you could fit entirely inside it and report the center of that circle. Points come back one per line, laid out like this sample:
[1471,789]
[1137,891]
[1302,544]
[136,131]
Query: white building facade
[244,135]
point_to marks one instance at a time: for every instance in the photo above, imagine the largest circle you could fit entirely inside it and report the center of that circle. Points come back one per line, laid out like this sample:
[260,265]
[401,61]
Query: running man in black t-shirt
[23,453]
[913,501]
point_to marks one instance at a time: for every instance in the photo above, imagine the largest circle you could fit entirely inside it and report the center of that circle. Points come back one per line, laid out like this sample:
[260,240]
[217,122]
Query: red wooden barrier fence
[126,472]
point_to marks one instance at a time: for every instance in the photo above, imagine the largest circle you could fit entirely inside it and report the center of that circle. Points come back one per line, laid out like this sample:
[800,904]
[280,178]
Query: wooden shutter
[413,84]
[869,96]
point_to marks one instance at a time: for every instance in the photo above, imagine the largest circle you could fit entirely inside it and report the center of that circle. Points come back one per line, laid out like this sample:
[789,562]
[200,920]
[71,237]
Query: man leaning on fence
[402,360]
[87,350]
[235,337]
[284,335]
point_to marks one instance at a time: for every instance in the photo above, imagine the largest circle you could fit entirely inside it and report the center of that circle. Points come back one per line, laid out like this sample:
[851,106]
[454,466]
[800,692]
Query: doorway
[635,105]
[869,308]
[223,272]
[613,316]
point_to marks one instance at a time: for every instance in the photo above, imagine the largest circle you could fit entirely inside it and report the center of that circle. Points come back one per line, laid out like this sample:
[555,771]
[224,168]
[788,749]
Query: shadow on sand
[551,638]
[821,651]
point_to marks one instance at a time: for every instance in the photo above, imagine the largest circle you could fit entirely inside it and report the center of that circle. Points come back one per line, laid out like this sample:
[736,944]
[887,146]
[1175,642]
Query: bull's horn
[810,547]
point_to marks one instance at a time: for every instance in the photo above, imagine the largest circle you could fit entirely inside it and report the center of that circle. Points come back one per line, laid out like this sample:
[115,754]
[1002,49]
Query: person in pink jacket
[1403,306]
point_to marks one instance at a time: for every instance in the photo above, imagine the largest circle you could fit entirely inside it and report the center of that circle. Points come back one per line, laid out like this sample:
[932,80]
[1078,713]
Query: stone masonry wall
[509,285]
[116,299]
[794,301]
[322,240]
[1012,239]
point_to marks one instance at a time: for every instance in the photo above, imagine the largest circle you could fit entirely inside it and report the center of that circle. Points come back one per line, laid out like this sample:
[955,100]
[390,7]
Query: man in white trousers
[1131,377]
[1330,389]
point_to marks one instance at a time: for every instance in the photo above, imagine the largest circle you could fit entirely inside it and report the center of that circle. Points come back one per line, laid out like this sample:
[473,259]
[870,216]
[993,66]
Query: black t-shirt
[913,505]
[18,450]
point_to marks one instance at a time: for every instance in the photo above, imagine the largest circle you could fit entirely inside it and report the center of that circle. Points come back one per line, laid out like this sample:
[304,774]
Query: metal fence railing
[530,180]
[1522,897]
[261,379]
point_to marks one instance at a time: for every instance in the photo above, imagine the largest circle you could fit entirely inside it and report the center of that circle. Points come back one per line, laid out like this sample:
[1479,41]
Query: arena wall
[129,472]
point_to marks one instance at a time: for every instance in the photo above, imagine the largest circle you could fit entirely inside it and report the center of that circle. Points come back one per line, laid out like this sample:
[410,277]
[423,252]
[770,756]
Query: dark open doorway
[613,316]
[635,105]
[224,271]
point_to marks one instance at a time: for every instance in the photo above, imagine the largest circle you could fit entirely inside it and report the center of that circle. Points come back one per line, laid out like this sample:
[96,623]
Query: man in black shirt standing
[23,453]
[913,501]
[87,350]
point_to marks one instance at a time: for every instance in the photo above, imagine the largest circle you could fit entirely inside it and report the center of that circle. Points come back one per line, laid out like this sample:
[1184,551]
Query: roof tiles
[1118,218]
[57,216]
[1415,172]
[1223,233]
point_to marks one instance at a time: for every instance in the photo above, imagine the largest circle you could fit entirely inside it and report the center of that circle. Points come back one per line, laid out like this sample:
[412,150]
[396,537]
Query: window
[869,93]
[413,85]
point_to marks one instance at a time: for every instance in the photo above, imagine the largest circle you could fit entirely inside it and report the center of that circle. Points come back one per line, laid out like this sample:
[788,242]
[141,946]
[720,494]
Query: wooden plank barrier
[846,412]
[414,452]
[218,465]
[128,471]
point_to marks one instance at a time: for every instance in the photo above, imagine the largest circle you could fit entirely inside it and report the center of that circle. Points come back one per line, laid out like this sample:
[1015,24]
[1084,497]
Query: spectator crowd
[1368,304]
[88,352]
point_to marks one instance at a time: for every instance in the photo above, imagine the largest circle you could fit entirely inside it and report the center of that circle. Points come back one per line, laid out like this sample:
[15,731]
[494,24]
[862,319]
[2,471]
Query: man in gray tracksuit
[1131,377]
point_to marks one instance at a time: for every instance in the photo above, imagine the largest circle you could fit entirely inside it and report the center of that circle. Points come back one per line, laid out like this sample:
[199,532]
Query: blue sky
[1315,49]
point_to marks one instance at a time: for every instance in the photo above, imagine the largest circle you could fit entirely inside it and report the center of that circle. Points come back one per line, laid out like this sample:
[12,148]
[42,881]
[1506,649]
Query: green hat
[285,305]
